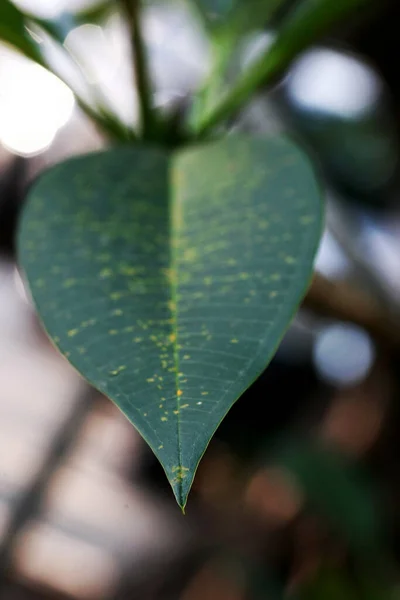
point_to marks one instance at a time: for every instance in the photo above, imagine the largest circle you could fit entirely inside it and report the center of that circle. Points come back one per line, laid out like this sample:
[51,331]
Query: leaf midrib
[176,220]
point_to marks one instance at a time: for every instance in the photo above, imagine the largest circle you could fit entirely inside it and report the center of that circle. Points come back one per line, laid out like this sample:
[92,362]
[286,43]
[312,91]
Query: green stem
[109,124]
[307,22]
[102,118]
[141,70]
[225,41]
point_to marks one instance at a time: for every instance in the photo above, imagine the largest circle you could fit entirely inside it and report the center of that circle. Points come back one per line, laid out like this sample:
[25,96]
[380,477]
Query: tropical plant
[168,267]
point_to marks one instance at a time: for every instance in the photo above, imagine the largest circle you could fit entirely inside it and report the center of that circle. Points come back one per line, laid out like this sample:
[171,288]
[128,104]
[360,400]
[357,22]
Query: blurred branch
[132,10]
[340,300]
[105,121]
[345,224]
[100,115]
[28,505]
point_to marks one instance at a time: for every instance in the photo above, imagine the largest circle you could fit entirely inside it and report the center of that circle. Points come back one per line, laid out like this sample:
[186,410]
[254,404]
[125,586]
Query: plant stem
[104,120]
[140,66]
[306,23]
[108,123]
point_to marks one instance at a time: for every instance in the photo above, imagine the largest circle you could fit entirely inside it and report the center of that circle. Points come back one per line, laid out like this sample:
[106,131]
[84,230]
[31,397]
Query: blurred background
[298,495]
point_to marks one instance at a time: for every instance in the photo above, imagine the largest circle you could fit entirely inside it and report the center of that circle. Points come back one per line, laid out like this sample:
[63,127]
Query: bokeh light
[34,105]
[343,354]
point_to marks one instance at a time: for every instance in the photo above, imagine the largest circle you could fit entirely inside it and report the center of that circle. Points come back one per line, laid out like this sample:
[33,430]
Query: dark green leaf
[236,17]
[337,489]
[215,12]
[13,31]
[329,584]
[245,17]
[169,280]
[306,23]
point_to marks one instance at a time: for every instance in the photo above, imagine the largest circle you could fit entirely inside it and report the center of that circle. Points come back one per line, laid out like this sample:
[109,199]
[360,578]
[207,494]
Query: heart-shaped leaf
[169,280]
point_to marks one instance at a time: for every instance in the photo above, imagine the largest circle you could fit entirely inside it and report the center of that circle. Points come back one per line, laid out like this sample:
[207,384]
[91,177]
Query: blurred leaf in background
[13,30]
[336,488]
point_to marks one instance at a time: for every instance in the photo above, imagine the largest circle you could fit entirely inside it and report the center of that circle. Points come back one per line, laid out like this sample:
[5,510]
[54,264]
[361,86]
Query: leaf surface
[168,281]
[241,16]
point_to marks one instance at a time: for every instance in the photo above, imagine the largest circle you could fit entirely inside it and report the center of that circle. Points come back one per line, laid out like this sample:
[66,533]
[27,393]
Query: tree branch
[340,300]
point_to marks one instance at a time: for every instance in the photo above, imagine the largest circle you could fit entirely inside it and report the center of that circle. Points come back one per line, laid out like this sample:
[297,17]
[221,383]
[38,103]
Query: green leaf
[248,16]
[302,26]
[168,280]
[232,18]
[329,584]
[244,17]
[13,31]
[338,489]
[214,12]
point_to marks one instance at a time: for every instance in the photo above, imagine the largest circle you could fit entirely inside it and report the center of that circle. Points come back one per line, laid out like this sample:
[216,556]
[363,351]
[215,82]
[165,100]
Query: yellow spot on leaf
[72,332]
[126,270]
[263,225]
[118,370]
[104,273]
[116,295]
[179,393]
[190,254]
[68,283]
[179,473]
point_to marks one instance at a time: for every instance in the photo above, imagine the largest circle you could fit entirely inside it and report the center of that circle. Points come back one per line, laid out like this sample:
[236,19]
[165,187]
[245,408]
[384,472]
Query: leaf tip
[181,483]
